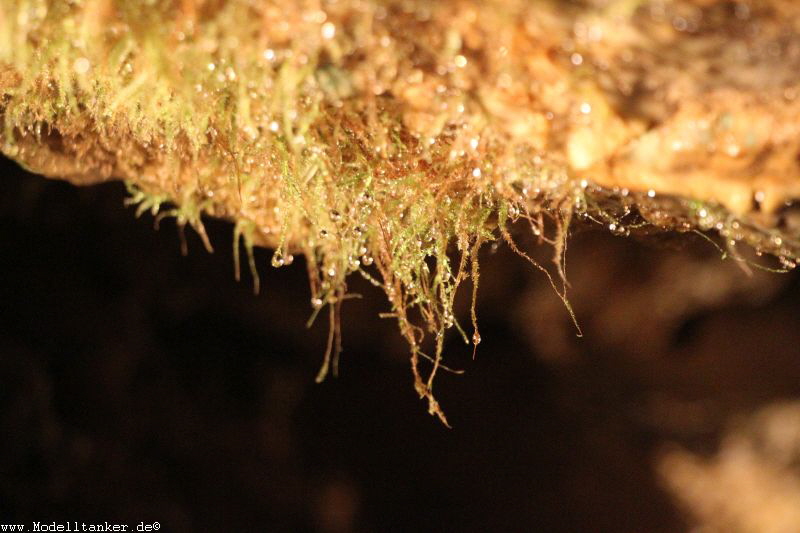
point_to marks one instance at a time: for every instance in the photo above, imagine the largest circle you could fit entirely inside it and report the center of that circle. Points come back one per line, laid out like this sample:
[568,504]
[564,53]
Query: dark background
[140,385]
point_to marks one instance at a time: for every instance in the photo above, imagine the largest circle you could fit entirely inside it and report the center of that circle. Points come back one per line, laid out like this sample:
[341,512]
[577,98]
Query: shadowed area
[138,384]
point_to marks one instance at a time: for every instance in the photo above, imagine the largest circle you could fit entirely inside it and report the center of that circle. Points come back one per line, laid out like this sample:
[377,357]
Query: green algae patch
[393,139]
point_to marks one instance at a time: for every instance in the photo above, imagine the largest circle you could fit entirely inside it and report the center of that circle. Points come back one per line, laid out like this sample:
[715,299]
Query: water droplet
[476,338]
[277,259]
[680,24]
[733,150]
[331,272]
[328,30]
[82,65]
[476,172]
[335,215]
[618,229]
[323,234]
[316,303]
[651,193]
[367,260]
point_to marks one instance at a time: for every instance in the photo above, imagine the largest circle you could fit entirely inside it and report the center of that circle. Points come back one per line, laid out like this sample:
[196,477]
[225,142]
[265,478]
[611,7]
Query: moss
[390,139]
